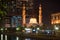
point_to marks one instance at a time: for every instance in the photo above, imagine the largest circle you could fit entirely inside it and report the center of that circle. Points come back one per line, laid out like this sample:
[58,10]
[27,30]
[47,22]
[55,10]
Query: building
[55,20]
[20,12]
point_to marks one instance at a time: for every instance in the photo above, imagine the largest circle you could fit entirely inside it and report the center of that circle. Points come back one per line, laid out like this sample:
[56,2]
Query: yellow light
[33,21]
[57,21]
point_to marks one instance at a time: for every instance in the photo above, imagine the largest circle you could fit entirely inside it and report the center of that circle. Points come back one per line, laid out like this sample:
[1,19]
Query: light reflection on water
[1,36]
[27,39]
[17,38]
[5,37]
[12,37]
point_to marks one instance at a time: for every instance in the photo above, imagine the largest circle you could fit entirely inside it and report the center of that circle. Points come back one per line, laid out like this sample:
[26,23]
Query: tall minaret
[23,15]
[40,14]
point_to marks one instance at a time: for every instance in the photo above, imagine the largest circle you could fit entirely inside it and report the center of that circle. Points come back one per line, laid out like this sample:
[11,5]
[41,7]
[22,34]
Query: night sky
[48,7]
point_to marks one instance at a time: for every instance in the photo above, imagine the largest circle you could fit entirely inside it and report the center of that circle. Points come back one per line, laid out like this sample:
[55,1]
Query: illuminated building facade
[20,12]
[55,19]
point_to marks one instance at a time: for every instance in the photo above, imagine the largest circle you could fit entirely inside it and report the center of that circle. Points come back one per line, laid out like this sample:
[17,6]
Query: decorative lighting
[33,21]
[57,21]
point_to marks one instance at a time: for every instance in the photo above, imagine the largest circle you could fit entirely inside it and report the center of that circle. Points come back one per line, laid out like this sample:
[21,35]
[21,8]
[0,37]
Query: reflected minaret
[23,15]
[40,14]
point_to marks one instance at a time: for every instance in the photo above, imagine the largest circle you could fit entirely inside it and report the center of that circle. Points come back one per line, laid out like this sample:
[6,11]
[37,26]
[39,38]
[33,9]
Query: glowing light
[48,32]
[23,15]
[55,18]
[33,21]
[17,38]
[5,37]
[5,28]
[2,29]
[55,21]
[1,36]
[27,39]
[40,14]
[56,28]
[38,28]
[17,28]
[28,30]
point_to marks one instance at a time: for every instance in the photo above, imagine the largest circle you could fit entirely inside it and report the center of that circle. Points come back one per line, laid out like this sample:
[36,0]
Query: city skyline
[48,7]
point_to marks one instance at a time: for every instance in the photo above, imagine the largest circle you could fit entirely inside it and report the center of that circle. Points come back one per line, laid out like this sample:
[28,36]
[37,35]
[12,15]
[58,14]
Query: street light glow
[56,28]
[38,28]
[17,28]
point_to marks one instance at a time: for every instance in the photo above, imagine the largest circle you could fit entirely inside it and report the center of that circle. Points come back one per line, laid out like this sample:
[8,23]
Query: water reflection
[1,36]
[5,37]
[27,39]
[17,38]
[12,37]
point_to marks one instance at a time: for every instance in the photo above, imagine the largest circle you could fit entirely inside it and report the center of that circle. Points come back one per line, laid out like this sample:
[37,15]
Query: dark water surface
[14,37]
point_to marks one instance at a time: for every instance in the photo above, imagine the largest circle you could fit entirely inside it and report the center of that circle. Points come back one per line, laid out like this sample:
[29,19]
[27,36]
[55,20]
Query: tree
[3,10]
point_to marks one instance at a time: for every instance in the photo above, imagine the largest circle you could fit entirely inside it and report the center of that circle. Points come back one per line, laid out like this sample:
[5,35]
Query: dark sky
[48,7]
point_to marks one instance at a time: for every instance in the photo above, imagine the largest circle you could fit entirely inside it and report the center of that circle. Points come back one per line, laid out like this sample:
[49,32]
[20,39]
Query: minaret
[23,15]
[40,14]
